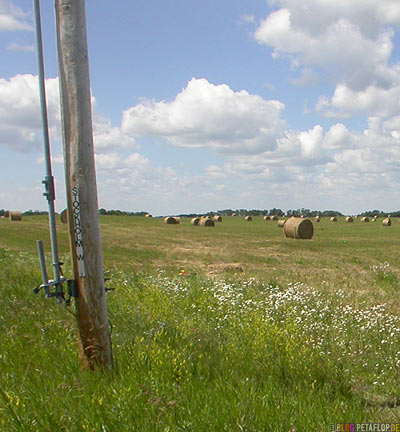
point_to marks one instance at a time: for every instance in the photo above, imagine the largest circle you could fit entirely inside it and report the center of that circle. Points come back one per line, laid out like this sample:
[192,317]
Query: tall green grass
[195,354]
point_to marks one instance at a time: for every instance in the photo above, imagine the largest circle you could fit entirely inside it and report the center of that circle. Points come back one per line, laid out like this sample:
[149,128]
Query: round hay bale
[281,223]
[64,216]
[274,217]
[195,221]
[171,220]
[14,215]
[298,228]
[233,214]
[206,222]
[317,219]
[387,222]
[2,217]
[248,218]
[217,218]
[364,219]
[349,219]
[333,219]
[267,218]
[148,215]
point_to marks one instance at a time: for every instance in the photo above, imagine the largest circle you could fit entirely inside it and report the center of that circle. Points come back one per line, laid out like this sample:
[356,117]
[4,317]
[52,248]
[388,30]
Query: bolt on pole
[80,176]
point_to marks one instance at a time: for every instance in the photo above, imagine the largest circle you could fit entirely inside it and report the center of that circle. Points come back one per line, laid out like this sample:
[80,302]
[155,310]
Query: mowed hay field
[232,327]
[340,255]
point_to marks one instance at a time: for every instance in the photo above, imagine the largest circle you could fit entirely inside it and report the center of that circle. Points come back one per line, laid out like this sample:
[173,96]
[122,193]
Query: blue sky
[200,106]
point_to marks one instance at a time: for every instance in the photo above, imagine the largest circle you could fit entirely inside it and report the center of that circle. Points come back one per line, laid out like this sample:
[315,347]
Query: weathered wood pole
[83,220]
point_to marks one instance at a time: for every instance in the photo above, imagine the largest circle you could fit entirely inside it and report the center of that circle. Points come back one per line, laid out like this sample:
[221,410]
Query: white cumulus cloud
[334,43]
[12,18]
[108,137]
[349,42]
[371,101]
[20,120]
[317,159]
[208,115]
[18,47]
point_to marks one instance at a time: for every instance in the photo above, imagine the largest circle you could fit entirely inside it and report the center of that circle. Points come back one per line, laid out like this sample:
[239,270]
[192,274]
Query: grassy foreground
[213,348]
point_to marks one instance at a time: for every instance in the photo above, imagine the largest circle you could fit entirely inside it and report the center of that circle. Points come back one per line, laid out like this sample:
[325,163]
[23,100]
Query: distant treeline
[25,213]
[296,213]
[228,212]
[380,213]
[279,212]
[103,211]
[34,212]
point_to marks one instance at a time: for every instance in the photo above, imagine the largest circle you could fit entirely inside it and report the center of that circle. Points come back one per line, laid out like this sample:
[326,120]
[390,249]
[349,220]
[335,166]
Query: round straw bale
[2,217]
[298,228]
[64,216]
[14,215]
[171,220]
[364,219]
[217,218]
[205,222]
[274,217]
[148,215]
[317,219]
[281,222]
[267,218]
[333,219]
[387,222]
[349,219]
[233,214]
[248,218]
[195,221]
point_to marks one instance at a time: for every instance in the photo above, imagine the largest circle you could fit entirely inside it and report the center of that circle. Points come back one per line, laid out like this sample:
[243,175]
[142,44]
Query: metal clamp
[49,188]
[52,288]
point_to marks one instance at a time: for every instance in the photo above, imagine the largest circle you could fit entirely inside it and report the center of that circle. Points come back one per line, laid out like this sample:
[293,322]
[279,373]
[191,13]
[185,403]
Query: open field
[259,333]
[340,255]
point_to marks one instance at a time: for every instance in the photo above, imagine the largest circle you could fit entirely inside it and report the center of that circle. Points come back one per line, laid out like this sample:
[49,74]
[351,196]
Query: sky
[207,105]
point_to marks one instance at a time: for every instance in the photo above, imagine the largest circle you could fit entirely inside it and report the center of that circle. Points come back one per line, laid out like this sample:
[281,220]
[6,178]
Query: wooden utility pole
[83,219]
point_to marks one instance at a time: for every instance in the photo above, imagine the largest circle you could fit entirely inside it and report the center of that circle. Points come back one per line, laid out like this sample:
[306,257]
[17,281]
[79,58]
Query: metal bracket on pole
[49,188]
[54,288]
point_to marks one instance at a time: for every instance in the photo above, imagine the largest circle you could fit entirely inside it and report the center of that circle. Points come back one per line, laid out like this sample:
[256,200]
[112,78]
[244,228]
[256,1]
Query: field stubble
[339,255]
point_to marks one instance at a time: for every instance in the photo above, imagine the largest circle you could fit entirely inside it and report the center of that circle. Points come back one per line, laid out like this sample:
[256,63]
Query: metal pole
[49,179]
[43,270]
